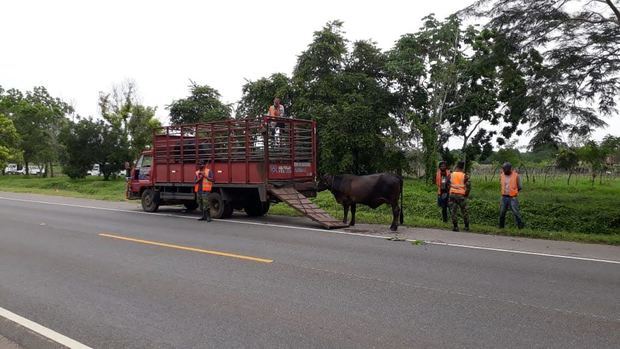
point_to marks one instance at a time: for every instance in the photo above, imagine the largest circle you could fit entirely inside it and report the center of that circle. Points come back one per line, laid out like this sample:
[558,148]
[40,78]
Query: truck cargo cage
[254,161]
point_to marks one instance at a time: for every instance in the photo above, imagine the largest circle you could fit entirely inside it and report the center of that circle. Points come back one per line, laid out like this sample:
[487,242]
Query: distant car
[95,171]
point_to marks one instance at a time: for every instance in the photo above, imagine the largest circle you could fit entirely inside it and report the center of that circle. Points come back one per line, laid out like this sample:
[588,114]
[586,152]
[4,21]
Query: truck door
[141,176]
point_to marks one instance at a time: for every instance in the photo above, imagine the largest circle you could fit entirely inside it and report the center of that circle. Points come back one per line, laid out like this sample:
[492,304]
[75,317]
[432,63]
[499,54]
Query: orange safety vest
[457,183]
[206,183]
[438,179]
[513,186]
[273,111]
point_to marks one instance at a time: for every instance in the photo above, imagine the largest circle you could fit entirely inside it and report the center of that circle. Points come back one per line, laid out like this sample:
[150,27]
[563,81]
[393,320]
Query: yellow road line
[187,248]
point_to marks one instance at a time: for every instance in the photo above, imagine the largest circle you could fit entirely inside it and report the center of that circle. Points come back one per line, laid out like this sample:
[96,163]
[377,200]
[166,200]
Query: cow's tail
[402,213]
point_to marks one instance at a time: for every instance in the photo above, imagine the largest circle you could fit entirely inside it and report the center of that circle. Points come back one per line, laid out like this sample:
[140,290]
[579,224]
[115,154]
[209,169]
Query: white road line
[42,330]
[324,231]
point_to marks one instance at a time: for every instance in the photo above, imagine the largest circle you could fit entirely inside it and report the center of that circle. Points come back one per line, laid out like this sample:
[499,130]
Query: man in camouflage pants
[459,191]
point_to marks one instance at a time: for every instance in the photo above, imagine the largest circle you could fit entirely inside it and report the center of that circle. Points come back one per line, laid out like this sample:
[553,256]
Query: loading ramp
[306,207]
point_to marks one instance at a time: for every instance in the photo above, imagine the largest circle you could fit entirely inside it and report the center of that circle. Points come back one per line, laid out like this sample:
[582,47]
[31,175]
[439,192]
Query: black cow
[371,190]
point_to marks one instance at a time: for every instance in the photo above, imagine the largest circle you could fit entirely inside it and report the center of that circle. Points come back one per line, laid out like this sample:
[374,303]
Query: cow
[370,190]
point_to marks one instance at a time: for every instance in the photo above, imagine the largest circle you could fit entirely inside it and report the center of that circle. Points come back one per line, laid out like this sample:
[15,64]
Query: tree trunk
[51,170]
[570,173]
[26,169]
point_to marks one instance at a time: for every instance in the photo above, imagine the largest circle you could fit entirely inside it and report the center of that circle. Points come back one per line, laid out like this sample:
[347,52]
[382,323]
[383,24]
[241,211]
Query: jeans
[513,204]
[442,201]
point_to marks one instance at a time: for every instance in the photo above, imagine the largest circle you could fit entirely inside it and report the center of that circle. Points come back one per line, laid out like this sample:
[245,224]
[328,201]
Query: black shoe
[202,219]
[455,229]
[467,228]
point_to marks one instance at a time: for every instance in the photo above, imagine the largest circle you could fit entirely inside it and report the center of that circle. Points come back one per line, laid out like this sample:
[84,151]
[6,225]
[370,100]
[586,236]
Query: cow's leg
[396,214]
[352,215]
[346,212]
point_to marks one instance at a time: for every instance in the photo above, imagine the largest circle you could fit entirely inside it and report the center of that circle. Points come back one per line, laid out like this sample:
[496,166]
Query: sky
[78,48]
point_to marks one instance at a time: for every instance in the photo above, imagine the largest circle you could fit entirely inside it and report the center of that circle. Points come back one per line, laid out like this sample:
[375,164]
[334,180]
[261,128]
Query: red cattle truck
[255,162]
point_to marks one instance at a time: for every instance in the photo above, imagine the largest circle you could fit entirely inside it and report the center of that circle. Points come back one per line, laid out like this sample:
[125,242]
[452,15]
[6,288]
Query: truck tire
[228,210]
[150,200]
[257,209]
[216,205]
[190,206]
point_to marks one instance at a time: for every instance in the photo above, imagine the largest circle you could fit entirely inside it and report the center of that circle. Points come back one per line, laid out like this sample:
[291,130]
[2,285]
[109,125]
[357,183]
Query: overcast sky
[78,48]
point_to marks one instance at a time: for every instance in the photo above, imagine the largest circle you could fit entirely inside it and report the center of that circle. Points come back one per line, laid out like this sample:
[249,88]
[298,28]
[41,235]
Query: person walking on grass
[459,192]
[442,179]
[510,186]
[203,182]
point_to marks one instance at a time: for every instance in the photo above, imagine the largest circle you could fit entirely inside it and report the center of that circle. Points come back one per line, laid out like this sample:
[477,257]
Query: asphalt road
[320,290]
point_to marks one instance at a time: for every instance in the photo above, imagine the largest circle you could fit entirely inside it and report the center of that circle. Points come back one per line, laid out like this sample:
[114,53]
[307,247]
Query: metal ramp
[301,203]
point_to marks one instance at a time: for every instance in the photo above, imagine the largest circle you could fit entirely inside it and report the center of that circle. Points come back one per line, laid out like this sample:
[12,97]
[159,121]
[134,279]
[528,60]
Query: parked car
[11,169]
[95,171]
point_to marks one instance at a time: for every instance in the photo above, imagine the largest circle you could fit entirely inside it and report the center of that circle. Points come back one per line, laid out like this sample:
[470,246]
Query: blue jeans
[513,204]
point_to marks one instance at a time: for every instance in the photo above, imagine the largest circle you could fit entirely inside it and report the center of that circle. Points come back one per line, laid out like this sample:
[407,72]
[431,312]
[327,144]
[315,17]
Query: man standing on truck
[277,110]
[203,183]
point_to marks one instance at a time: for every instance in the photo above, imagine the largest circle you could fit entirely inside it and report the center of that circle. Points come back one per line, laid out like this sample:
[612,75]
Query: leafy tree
[490,90]
[575,80]
[315,77]
[9,141]
[89,142]
[81,141]
[423,66]
[258,95]
[567,159]
[347,93]
[594,155]
[37,117]
[123,111]
[203,105]
[141,125]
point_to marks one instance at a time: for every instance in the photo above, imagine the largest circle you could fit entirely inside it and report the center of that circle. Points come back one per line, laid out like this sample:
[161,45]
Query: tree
[491,91]
[258,95]
[203,105]
[140,126]
[594,155]
[567,159]
[347,93]
[575,81]
[423,66]
[81,141]
[89,142]
[37,117]
[9,141]
[122,110]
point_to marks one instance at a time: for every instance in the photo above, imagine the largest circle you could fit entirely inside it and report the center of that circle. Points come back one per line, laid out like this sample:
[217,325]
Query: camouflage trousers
[203,203]
[456,202]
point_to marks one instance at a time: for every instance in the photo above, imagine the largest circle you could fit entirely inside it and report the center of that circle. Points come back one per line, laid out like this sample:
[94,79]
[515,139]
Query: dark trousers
[513,204]
[442,201]
[203,203]
[456,202]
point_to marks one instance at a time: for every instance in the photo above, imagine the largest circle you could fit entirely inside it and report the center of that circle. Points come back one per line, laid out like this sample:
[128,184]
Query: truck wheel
[150,200]
[257,209]
[190,206]
[228,210]
[216,205]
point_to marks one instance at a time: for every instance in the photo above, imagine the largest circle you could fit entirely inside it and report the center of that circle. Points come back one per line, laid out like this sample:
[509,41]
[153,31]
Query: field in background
[553,210]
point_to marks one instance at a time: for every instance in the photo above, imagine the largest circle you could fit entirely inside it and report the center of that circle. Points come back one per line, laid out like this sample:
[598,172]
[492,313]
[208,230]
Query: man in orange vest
[277,110]
[442,179]
[510,183]
[203,182]
[459,191]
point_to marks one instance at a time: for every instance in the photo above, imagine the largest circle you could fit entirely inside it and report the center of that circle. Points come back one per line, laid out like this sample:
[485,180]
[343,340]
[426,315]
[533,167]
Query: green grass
[579,212]
[89,187]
